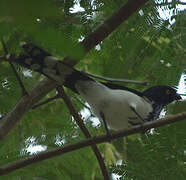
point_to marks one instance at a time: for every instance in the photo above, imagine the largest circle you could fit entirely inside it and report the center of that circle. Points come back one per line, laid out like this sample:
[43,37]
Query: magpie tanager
[119,107]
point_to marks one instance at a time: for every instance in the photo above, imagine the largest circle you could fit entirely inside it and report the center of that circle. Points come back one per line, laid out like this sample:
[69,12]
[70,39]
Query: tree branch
[84,130]
[92,141]
[108,27]
[112,23]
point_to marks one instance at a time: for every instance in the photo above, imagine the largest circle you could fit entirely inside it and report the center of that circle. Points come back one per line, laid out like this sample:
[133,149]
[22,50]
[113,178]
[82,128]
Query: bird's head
[162,94]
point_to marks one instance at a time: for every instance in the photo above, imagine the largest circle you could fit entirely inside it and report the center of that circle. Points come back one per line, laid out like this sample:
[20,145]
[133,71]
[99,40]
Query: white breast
[115,104]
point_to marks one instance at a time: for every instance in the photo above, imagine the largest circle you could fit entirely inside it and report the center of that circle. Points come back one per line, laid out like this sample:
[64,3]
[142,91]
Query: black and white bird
[119,107]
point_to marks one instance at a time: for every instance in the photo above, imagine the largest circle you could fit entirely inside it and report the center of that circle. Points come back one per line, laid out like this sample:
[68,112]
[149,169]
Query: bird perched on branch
[119,107]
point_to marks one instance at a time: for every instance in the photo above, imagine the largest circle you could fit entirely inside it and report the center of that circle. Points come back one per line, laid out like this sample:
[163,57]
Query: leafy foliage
[144,48]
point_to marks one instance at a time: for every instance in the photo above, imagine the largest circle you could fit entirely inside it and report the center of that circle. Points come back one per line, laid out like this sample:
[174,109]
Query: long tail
[41,61]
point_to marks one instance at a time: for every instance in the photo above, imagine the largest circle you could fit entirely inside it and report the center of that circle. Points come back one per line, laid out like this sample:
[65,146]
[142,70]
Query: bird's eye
[168,92]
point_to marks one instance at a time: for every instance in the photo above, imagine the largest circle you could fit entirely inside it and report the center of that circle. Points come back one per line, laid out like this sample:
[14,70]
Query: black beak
[178,97]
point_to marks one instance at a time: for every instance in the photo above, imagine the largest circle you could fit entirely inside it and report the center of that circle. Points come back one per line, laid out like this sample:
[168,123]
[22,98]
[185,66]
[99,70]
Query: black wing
[117,86]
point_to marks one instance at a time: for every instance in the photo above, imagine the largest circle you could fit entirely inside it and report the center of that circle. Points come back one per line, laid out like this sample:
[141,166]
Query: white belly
[115,104]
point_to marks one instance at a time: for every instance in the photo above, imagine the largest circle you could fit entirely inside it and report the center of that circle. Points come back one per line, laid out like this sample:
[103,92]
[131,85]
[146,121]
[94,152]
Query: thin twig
[116,80]
[46,101]
[24,92]
[87,107]
[85,131]
[88,142]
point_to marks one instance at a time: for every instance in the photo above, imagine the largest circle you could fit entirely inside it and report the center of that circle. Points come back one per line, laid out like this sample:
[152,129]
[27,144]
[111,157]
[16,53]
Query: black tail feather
[34,51]
[41,61]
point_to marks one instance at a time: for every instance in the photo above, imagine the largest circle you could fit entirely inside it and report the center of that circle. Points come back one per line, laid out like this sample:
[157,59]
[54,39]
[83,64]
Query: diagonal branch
[26,103]
[88,142]
[84,130]
[112,23]
[108,27]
